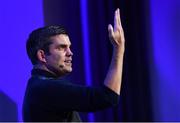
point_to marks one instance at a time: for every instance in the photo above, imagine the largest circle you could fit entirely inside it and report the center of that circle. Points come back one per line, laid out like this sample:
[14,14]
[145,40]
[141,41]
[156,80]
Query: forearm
[114,76]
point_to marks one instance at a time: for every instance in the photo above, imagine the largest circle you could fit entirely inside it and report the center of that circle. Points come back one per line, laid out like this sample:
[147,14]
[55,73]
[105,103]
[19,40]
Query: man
[50,98]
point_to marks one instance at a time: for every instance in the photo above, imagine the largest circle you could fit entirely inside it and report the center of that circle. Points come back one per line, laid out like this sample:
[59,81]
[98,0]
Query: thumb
[110,30]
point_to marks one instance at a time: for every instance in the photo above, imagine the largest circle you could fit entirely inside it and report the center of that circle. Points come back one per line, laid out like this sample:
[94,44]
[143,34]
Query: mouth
[68,62]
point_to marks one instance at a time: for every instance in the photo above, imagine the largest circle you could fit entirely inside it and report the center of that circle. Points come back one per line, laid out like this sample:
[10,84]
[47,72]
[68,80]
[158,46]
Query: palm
[116,35]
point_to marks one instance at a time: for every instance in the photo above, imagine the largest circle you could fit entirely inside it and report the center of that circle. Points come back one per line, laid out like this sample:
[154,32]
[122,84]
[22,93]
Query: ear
[41,56]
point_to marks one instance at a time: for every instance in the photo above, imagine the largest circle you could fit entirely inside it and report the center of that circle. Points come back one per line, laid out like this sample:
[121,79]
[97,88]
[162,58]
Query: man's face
[59,61]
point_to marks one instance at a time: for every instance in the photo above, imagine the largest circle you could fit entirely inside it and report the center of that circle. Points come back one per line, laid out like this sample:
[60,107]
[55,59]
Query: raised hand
[116,34]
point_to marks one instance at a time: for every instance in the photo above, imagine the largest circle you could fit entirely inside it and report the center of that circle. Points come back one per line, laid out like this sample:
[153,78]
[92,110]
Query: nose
[69,52]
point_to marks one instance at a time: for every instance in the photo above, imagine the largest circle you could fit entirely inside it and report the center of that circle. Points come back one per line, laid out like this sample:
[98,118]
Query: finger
[110,30]
[115,20]
[118,17]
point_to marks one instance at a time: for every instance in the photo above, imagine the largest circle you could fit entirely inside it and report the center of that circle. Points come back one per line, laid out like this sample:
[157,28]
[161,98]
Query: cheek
[58,58]
[55,59]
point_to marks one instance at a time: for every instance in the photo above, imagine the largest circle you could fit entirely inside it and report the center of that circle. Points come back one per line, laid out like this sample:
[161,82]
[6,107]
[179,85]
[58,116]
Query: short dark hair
[40,39]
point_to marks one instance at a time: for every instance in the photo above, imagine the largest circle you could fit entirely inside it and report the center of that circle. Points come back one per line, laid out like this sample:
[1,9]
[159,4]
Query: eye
[62,47]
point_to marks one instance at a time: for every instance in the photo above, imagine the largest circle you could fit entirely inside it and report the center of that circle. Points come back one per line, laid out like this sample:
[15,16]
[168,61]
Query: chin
[68,70]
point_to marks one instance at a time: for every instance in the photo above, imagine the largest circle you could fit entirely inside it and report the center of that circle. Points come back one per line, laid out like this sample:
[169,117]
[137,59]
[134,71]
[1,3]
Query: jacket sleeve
[65,96]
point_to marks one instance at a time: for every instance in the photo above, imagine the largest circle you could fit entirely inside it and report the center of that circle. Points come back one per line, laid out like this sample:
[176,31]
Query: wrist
[119,49]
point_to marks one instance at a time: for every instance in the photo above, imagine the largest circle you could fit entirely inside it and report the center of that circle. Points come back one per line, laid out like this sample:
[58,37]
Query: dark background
[135,102]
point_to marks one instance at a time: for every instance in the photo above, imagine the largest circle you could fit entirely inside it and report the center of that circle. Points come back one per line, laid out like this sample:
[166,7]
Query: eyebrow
[63,45]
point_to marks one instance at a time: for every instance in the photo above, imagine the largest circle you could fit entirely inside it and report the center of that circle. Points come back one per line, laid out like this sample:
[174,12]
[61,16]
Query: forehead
[60,39]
